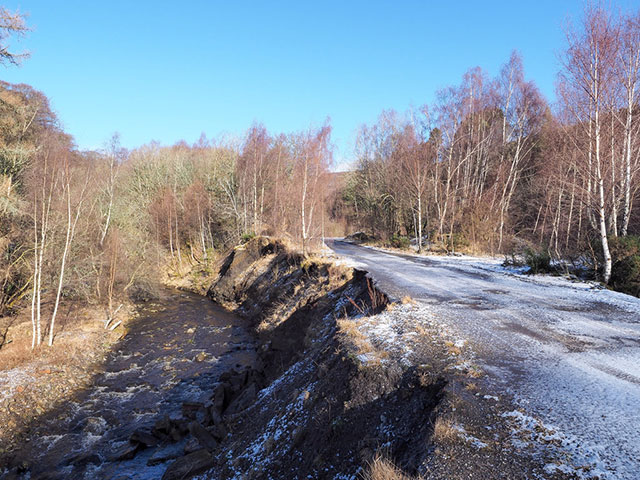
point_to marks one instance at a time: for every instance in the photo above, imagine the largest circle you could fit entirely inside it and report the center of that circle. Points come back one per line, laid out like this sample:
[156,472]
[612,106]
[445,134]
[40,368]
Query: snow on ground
[567,352]
[580,459]
[397,331]
[16,377]
[469,438]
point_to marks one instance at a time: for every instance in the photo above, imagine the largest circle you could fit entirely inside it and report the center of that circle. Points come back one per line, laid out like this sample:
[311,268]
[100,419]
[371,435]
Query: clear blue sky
[165,71]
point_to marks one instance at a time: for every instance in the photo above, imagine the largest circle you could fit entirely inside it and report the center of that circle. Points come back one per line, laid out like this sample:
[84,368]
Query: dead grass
[381,468]
[422,330]
[66,350]
[452,348]
[444,431]
[407,300]
[471,386]
[338,275]
[475,372]
[349,329]
[75,334]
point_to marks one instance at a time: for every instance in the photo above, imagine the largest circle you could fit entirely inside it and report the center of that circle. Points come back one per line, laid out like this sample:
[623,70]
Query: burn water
[173,353]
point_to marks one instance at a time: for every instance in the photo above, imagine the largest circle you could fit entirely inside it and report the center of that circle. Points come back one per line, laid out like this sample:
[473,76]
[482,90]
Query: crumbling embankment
[314,405]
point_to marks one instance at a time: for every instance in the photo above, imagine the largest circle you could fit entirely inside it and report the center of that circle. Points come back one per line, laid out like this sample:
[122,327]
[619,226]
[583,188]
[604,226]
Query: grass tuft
[444,431]
[407,300]
[381,468]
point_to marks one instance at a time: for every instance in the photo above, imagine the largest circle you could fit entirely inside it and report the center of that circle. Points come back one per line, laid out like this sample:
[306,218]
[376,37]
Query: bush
[247,237]
[398,241]
[360,237]
[622,247]
[625,268]
[538,261]
[460,241]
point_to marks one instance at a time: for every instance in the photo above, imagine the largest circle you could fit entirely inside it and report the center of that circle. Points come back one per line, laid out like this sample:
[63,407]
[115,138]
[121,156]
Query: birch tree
[312,157]
[73,211]
[629,74]
[587,78]
[522,109]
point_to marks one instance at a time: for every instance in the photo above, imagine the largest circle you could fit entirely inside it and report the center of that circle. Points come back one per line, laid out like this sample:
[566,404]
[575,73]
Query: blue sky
[163,71]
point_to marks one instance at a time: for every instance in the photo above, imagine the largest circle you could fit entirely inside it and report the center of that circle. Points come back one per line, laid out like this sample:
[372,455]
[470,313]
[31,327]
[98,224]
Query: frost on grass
[10,380]
[399,332]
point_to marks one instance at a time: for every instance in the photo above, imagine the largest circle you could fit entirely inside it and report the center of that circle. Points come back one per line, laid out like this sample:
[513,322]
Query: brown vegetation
[381,468]
[444,431]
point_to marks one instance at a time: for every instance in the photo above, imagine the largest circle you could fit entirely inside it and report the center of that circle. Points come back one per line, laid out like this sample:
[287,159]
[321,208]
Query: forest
[489,168]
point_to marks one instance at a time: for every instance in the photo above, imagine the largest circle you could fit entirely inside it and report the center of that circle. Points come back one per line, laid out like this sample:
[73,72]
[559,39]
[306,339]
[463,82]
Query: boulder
[125,452]
[243,401]
[162,427]
[218,397]
[166,453]
[192,445]
[205,439]
[191,410]
[189,465]
[144,438]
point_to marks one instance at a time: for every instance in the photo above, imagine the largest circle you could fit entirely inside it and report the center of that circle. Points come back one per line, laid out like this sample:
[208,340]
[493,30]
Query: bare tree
[587,79]
[312,158]
[115,154]
[11,23]
[522,108]
[414,159]
[73,215]
[629,71]
[41,231]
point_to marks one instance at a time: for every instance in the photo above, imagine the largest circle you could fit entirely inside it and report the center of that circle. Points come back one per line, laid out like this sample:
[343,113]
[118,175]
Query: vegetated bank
[346,381]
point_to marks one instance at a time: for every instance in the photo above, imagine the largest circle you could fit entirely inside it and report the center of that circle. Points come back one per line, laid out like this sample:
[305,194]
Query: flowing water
[174,352]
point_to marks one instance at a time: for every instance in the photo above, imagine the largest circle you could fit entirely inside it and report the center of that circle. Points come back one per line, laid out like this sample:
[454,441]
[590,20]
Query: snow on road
[567,352]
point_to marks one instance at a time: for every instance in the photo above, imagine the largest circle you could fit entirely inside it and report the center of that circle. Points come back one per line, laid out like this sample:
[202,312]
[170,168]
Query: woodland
[490,167]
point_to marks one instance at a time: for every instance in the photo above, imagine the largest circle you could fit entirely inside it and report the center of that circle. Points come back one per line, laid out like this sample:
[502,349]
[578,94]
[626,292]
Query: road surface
[567,352]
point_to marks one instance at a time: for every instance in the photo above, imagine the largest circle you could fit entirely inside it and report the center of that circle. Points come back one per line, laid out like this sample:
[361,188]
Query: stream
[173,353]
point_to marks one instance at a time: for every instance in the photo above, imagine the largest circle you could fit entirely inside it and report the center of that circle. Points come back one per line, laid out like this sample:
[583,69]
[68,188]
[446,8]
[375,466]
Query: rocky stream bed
[162,369]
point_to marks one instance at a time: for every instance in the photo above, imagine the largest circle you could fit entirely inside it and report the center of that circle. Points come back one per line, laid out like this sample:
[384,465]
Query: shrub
[247,237]
[622,247]
[537,261]
[625,268]
[460,241]
[398,241]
